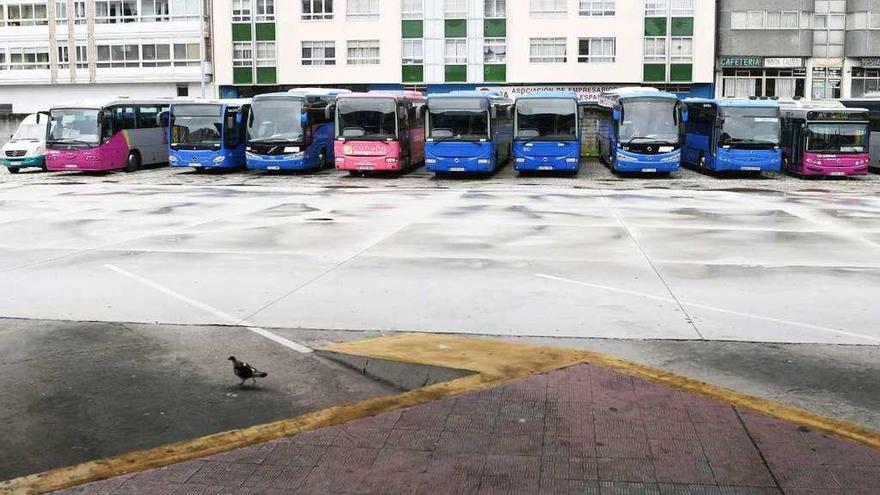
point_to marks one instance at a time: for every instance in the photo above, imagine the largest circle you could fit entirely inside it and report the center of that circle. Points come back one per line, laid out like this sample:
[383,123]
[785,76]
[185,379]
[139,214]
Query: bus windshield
[649,121]
[275,120]
[366,118]
[749,126]
[30,132]
[196,126]
[546,119]
[835,137]
[74,126]
[461,119]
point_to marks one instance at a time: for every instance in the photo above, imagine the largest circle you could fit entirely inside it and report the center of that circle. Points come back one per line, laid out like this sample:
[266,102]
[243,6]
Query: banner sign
[788,63]
[871,62]
[741,61]
[588,92]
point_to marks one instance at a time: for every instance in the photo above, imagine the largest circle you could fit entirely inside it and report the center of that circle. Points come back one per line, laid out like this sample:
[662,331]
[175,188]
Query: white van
[27,147]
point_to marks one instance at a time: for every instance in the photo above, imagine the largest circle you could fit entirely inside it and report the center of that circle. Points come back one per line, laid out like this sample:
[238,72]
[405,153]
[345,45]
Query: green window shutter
[266,75]
[456,73]
[266,31]
[241,32]
[682,26]
[456,28]
[495,73]
[655,72]
[413,73]
[681,72]
[242,75]
[495,28]
[655,26]
[412,29]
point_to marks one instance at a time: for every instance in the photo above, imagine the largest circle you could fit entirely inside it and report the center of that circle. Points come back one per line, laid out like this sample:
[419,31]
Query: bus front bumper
[748,162]
[24,162]
[367,163]
[661,163]
[201,160]
[459,165]
[296,161]
[546,163]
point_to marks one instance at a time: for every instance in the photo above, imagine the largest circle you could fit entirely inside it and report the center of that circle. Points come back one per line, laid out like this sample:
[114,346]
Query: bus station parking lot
[160,274]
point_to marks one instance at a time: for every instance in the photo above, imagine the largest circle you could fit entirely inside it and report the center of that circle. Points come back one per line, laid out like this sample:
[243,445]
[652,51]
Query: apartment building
[59,52]
[438,45]
[813,49]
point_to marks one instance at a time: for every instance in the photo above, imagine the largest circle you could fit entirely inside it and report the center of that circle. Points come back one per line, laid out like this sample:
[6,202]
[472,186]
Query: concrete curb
[405,376]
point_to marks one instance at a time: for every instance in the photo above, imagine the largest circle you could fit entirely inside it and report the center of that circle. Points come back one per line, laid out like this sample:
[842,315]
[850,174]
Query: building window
[116,11]
[241,11]
[60,14]
[265,53]
[412,9]
[156,55]
[25,14]
[596,8]
[319,53]
[63,57]
[682,8]
[187,54]
[873,20]
[865,81]
[597,50]
[79,14]
[265,11]
[495,50]
[157,10]
[82,59]
[681,49]
[550,8]
[363,9]
[242,54]
[317,9]
[3,58]
[118,56]
[782,83]
[455,9]
[655,50]
[656,8]
[412,52]
[363,52]
[456,52]
[547,50]
[495,9]
[28,58]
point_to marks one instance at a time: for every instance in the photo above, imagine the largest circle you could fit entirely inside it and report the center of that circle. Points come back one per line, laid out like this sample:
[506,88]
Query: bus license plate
[649,170]
[750,169]
[273,167]
[456,169]
[838,173]
[70,165]
[545,167]
[365,167]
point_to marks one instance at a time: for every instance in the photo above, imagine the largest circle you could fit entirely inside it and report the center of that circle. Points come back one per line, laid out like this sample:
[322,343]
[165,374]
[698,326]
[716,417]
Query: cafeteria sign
[584,92]
[741,62]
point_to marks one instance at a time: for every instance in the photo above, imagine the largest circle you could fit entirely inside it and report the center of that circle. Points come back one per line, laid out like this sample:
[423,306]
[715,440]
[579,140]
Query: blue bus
[207,134]
[292,130]
[546,132]
[639,130]
[467,131]
[724,135]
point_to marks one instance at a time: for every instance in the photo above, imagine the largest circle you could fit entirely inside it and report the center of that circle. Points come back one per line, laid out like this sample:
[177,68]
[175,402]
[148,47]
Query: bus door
[404,126]
[113,151]
[234,133]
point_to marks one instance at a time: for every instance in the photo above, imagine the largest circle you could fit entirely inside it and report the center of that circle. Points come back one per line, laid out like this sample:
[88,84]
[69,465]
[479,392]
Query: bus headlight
[219,159]
[626,158]
[172,159]
[251,156]
[673,158]
[484,161]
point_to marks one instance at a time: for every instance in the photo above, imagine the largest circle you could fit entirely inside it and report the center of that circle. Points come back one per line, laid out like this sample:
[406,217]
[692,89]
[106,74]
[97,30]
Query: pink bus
[121,134]
[379,131]
[824,139]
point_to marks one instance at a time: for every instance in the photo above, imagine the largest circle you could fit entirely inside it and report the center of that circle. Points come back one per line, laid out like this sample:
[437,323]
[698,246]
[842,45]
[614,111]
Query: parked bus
[380,131]
[547,132]
[27,147]
[872,104]
[291,131]
[207,134]
[121,134]
[468,131]
[726,135]
[824,138]
[639,130]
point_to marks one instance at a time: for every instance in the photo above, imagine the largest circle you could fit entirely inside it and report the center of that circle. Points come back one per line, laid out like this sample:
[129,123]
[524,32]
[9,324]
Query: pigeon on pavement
[245,371]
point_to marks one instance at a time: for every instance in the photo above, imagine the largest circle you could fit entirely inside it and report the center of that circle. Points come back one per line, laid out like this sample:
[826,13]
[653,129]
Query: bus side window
[108,123]
[231,138]
[147,117]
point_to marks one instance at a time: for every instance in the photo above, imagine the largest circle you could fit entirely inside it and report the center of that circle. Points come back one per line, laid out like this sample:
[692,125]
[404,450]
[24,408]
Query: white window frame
[27,15]
[681,8]
[686,54]
[413,51]
[650,54]
[412,9]
[242,10]
[242,54]
[119,55]
[39,54]
[159,59]
[63,56]
[360,52]
[265,11]
[455,9]
[550,48]
[495,9]
[597,8]
[873,20]
[191,57]
[315,45]
[60,13]
[82,55]
[491,52]
[656,8]
[548,8]
[312,16]
[120,17]
[3,59]
[590,57]
[265,54]
[455,51]
[355,10]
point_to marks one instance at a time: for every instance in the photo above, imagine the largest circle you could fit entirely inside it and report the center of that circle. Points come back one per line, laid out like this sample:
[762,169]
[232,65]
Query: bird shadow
[247,388]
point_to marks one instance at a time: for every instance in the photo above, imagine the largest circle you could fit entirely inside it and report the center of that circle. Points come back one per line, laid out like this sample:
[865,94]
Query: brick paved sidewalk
[583,430]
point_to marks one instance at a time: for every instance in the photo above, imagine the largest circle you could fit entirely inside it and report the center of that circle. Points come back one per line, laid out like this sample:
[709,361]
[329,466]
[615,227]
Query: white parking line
[262,332]
[710,308]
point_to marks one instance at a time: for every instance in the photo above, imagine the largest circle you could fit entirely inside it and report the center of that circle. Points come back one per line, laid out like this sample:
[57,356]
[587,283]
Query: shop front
[747,76]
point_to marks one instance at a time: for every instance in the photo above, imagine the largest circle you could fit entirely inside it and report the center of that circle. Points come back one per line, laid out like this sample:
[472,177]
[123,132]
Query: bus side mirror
[493,112]
[328,112]
[304,119]
[615,114]
[684,115]
[162,119]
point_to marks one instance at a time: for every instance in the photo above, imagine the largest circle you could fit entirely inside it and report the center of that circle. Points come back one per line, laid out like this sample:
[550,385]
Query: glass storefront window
[865,82]
[782,83]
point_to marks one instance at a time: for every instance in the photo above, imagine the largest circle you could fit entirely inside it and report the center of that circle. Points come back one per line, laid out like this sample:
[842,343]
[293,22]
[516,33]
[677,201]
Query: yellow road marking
[494,363]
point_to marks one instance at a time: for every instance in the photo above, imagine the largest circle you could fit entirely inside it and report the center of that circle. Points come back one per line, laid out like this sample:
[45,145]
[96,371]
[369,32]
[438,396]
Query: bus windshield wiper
[628,143]
[276,140]
[69,141]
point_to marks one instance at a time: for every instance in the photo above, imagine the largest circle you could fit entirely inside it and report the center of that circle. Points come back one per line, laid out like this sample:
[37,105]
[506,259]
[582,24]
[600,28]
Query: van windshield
[30,132]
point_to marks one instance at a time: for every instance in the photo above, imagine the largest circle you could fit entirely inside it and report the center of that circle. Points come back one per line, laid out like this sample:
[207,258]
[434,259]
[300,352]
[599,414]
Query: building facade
[60,52]
[437,45]
[814,49]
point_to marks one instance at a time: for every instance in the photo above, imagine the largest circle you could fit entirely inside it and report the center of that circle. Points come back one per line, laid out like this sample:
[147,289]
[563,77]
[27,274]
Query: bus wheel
[134,162]
[13,170]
